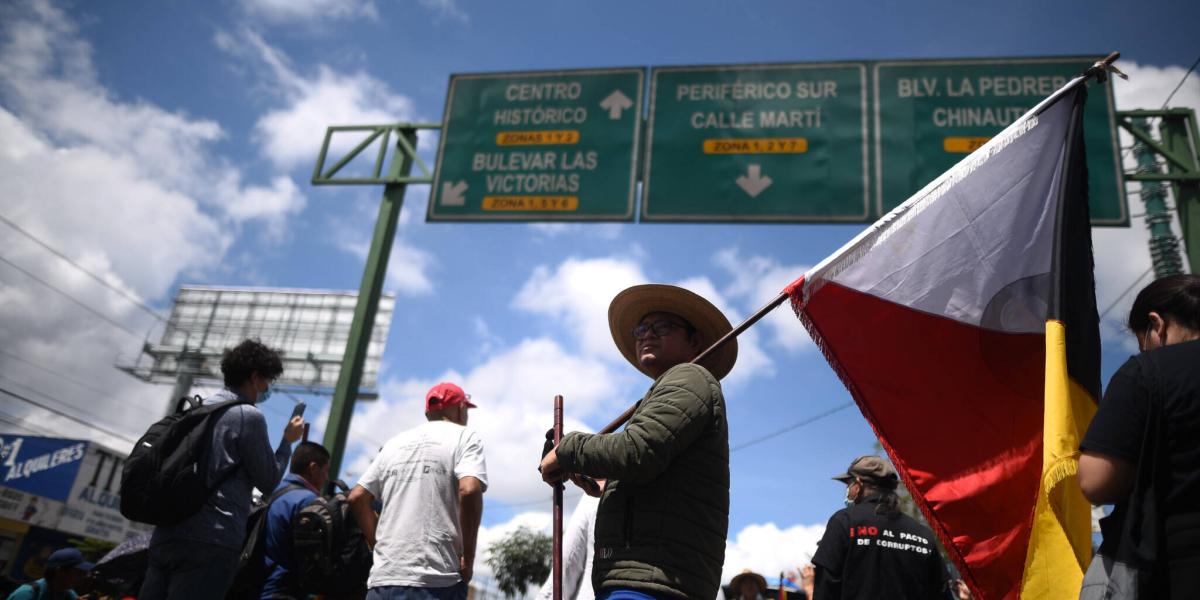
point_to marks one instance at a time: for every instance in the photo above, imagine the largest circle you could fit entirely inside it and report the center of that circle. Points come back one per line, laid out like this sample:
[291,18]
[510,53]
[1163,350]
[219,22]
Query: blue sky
[168,143]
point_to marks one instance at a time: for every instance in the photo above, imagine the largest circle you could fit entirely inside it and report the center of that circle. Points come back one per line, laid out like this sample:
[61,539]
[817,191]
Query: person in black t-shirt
[870,549]
[1142,450]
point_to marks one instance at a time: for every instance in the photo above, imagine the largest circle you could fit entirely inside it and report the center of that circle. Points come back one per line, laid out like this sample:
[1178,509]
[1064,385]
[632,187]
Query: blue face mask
[263,395]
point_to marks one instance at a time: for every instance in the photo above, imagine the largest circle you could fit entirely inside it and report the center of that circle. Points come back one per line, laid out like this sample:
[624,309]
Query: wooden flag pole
[556,567]
[736,331]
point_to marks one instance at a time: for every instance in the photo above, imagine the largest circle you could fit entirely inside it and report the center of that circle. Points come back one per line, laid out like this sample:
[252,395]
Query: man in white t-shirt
[431,480]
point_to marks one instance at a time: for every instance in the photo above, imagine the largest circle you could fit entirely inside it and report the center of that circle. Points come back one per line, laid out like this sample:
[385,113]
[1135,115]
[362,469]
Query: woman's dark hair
[1175,298]
[248,358]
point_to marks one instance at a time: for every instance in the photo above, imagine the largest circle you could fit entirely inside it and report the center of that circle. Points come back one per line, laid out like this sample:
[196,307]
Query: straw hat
[628,308]
[735,584]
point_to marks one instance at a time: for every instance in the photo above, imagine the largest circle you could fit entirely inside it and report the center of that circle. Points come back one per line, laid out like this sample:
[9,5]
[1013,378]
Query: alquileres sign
[68,485]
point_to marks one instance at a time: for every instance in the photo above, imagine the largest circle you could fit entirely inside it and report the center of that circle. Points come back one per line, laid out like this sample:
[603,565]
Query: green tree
[519,559]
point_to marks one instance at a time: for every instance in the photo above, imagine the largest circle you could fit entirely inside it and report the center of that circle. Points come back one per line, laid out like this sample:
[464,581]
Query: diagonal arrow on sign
[753,182]
[614,103]
[452,193]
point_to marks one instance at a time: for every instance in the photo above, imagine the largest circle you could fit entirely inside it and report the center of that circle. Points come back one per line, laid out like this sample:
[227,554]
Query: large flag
[964,325]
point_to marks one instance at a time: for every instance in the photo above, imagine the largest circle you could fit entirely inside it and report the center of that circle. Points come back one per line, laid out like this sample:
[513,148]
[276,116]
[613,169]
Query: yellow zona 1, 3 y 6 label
[530,203]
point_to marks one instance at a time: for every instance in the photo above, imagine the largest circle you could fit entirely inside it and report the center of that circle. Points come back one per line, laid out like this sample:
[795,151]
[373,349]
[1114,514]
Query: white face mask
[849,497]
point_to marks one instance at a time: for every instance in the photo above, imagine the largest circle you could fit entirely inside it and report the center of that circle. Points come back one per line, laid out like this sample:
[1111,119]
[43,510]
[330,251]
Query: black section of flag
[1073,296]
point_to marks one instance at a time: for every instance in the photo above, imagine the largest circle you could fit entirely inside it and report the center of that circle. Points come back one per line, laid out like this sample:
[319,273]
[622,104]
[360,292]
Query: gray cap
[872,469]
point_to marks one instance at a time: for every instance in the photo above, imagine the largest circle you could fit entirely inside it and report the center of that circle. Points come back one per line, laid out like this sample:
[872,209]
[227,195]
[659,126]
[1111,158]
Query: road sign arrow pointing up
[753,182]
[452,193]
[614,103]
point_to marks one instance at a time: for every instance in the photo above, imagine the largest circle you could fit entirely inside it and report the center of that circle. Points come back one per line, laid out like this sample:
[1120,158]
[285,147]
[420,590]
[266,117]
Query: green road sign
[539,146]
[757,143]
[931,114]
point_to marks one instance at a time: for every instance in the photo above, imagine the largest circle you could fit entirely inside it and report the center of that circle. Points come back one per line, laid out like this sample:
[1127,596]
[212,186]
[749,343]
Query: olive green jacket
[664,515]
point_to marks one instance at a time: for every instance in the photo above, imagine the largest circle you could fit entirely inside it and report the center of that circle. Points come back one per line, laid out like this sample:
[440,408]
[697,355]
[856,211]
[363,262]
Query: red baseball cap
[445,395]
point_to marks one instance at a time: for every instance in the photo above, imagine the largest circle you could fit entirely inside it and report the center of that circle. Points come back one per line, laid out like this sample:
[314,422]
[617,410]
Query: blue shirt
[239,441]
[37,591]
[278,557]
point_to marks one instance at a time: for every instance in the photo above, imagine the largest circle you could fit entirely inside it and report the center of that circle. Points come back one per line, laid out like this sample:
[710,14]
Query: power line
[1186,74]
[763,438]
[1180,84]
[107,319]
[24,424]
[95,418]
[1126,292]
[781,431]
[132,299]
[50,371]
[60,413]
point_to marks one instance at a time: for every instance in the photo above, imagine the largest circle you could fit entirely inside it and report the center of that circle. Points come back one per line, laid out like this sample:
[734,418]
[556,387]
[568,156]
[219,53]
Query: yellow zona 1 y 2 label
[537,138]
[530,203]
[790,145]
[963,145]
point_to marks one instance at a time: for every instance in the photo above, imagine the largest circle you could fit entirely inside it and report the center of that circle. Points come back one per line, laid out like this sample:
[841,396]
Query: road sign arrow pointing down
[753,182]
[614,103]
[452,193]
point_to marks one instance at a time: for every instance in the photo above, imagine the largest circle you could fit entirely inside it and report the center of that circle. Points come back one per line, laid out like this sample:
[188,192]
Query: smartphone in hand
[298,411]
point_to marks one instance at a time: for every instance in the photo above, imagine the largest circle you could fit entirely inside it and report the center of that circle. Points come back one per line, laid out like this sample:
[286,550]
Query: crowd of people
[656,521]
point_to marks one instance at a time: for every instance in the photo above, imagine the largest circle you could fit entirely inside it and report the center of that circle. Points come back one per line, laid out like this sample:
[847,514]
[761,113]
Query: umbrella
[121,570]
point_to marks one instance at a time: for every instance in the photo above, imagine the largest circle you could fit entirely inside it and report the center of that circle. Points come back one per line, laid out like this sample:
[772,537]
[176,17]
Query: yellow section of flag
[1060,545]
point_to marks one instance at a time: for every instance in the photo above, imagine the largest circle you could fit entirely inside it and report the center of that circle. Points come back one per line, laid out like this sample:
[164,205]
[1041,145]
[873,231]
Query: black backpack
[251,572]
[162,482]
[330,550]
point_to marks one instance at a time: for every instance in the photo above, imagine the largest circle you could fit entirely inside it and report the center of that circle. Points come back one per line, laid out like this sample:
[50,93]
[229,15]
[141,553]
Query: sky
[166,143]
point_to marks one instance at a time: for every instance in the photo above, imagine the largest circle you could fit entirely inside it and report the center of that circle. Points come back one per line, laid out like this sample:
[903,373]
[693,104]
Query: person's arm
[263,466]
[470,513]
[669,420]
[1112,444]
[360,501]
[1105,479]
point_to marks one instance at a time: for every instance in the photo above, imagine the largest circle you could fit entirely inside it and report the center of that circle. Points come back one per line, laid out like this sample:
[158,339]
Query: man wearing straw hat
[664,513]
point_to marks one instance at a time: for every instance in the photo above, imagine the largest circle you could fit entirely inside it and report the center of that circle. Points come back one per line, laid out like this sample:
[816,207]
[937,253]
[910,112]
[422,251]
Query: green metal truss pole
[350,376]
[1179,136]
[1164,247]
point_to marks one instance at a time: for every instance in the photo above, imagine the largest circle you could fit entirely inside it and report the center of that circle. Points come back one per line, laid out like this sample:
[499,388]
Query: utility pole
[1164,246]
[395,183]
[1178,149]
[1180,136]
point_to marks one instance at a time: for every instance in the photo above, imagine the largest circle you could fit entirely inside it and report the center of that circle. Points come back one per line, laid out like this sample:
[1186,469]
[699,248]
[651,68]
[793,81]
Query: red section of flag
[950,399]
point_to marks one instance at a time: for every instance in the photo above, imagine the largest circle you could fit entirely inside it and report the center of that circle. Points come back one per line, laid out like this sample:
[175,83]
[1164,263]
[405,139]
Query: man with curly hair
[198,557]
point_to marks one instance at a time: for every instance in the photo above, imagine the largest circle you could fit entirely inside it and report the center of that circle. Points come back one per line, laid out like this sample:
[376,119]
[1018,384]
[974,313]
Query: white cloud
[133,191]
[600,231]
[752,361]
[290,136]
[293,11]
[756,281]
[408,266]
[48,81]
[515,390]
[577,292]
[768,550]
[446,8]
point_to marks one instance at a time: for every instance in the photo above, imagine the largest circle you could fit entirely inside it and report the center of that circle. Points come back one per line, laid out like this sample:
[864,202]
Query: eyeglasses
[659,328]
